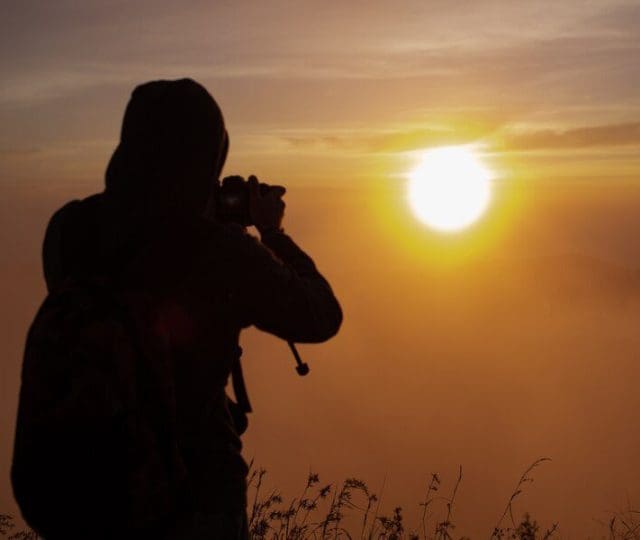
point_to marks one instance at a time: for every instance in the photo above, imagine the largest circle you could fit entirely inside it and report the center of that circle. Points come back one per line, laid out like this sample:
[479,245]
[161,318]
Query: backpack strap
[237,380]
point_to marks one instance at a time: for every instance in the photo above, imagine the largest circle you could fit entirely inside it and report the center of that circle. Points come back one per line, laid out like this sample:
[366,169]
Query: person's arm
[284,293]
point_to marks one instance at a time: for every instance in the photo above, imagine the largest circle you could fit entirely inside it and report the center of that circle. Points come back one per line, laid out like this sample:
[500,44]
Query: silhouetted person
[154,233]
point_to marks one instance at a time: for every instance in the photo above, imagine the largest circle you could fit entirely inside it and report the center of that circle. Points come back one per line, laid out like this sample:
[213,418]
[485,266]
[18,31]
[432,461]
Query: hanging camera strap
[237,377]
[237,381]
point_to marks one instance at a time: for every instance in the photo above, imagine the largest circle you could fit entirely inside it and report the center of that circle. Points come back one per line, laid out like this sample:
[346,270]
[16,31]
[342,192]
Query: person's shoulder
[77,209]
[64,212]
[77,213]
[68,238]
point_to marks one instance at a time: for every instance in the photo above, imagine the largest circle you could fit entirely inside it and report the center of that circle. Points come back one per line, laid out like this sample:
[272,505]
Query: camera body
[232,201]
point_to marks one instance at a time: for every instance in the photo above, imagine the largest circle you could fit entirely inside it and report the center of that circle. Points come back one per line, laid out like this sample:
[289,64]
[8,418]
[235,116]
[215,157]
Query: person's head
[173,145]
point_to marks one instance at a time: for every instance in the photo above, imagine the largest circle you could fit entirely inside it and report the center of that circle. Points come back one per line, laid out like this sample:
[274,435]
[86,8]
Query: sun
[450,188]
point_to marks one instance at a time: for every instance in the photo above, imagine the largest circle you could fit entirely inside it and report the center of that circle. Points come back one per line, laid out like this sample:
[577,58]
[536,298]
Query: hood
[173,145]
[172,148]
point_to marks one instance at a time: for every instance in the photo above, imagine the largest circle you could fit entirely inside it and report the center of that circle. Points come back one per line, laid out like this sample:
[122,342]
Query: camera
[232,204]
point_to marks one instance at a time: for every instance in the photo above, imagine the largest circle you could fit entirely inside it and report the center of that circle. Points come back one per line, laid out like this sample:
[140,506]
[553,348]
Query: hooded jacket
[206,281]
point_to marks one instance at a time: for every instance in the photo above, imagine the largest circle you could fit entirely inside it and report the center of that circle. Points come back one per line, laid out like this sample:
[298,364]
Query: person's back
[202,280]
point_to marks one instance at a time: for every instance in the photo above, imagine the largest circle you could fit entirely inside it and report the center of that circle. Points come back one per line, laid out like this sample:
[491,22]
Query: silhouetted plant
[7,523]
[624,525]
[320,513]
[434,485]
[526,529]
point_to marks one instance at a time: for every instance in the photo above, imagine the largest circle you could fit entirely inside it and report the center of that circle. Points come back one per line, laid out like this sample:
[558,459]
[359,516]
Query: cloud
[584,137]
[393,141]
[620,19]
[372,142]
[458,131]
[63,42]
[316,82]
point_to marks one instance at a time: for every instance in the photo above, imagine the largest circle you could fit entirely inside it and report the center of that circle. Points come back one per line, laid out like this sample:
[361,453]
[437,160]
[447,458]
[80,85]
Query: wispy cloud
[383,141]
[318,76]
[62,44]
[583,137]
[500,137]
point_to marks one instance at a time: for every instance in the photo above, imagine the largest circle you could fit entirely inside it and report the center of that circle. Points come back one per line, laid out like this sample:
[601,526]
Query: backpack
[96,452]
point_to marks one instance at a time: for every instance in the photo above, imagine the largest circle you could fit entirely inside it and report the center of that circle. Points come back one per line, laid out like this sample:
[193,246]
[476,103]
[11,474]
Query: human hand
[266,209]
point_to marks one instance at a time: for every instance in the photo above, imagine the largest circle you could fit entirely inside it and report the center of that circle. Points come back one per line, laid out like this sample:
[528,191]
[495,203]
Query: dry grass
[351,511]
[7,525]
[320,512]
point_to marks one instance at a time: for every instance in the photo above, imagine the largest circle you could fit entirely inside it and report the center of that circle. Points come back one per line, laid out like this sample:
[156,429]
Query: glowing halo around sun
[450,188]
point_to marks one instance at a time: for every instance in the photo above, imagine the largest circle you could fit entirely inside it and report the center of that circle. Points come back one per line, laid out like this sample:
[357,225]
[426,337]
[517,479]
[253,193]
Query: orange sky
[514,339]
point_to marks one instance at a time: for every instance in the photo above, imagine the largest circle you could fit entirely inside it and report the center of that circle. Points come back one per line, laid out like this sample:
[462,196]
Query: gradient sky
[515,339]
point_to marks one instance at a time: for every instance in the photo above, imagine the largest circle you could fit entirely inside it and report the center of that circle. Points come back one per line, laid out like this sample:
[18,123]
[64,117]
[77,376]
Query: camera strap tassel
[301,367]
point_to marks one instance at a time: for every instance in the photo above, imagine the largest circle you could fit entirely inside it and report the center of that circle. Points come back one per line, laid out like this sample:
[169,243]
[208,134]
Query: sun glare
[450,188]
